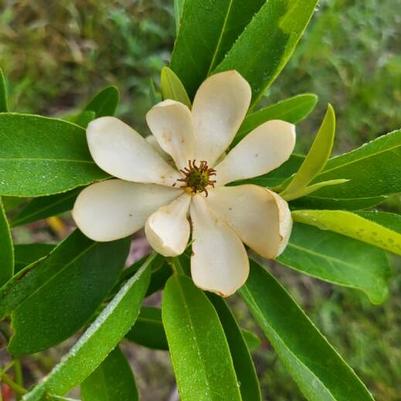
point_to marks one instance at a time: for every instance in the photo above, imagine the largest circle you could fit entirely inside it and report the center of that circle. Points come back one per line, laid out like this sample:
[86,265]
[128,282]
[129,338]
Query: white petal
[114,209]
[171,124]
[122,152]
[168,229]
[260,217]
[219,108]
[262,150]
[152,141]
[219,262]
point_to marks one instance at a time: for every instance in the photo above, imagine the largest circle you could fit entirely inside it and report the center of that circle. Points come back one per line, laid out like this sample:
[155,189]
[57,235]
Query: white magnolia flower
[176,180]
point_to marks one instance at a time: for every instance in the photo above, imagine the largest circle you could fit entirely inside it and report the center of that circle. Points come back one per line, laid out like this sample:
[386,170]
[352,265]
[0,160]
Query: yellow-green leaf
[172,88]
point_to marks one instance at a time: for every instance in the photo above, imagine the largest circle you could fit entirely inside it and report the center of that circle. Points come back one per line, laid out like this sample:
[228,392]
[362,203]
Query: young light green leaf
[105,102]
[148,330]
[111,381]
[373,169]
[315,160]
[172,88]
[25,254]
[207,31]
[319,371]
[66,298]
[386,219]
[352,225]
[99,340]
[243,364]
[45,206]
[198,347]
[6,248]
[43,156]
[292,110]
[339,260]
[315,187]
[3,93]
[264,48]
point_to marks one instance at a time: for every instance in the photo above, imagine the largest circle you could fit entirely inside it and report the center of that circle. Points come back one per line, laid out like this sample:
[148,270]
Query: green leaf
[99,340]
[339,260]
[105,102]
[67,297]
[172,88]
[386,219]
[46,206]
[352,225]
[84,118]
[6,248]
[207,31]
[43,156]
[25,254]
[3,93]
[316,158]
[374,170]
[243,364]
[252,340]
[292,110]
[321,374]
[178,8]
[267,43]
[148,330]
[111,381]
[198,347]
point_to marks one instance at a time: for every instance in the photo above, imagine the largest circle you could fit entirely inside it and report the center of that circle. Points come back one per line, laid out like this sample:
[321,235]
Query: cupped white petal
[114,209]
[152,141]
[261,151]
[218,110]
[168,229]
[260,217]
[171,124]
[122,152]
[219,261]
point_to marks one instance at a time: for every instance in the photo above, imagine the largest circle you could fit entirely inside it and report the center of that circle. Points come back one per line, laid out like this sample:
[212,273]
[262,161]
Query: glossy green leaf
[84,118]
[111,381]
[243,364]
[25,254]
[267,43]
[172,88]
[207,31]
[316,158]
[43,156]
[3,93]
[352,225]
[321,374]
[292,110]
[68,296]
[148,330]
[105,102]
[198,347]
[178,8]
[99,340]
[46,206]
[339,260]
[374,170]
[6,248]
[252,340]
[386,219]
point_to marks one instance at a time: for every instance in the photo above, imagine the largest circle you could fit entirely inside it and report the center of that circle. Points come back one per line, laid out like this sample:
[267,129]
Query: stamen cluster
[197,178]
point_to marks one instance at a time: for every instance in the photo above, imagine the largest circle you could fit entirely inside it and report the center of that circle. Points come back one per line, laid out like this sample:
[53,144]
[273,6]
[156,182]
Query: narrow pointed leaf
[3,93]
[317,368]
[67,297]
[207,31]
[112,380]
[6,248]
[243,364]
[352,225]
[105,102]
[43,156]
[172,88]
[178,8]
[339,260]
[292,110]
[25,254]
[316,158]
[99,340]
[84,118]
[267,43]
[198,347]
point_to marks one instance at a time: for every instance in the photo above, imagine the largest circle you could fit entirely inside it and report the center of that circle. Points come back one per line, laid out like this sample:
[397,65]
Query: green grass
[58,54]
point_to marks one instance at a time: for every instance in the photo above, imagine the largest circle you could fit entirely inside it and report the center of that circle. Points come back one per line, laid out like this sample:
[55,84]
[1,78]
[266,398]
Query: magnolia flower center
[196,178]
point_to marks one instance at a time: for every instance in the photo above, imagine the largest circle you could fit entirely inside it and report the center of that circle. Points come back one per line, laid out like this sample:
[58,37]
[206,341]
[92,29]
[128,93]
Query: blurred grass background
[58,54]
